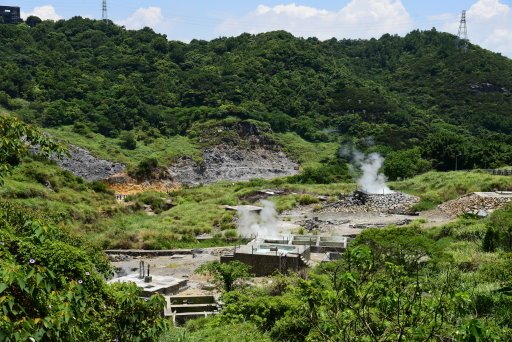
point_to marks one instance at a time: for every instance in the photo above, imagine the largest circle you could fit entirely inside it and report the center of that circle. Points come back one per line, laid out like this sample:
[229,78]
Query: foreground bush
[52,288]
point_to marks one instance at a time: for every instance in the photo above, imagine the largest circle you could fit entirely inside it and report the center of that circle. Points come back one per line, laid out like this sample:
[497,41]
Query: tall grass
[438,187]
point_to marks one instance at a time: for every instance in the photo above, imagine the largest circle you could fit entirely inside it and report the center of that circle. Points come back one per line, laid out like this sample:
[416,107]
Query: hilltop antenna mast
[463,32]
[104,15]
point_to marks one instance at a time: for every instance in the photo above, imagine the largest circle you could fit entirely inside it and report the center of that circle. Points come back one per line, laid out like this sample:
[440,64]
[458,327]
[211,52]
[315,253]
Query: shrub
[307,199]
[225,274]
[145,169]
[230,234]
[100,187]
[128,140]
[53,289]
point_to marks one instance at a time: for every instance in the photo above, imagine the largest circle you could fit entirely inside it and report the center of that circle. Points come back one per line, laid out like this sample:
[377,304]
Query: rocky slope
[82,163]
[231,163]
[232,151]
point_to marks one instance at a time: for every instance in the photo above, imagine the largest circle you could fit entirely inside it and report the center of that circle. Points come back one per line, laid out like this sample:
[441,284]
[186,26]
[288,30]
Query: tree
[405,164]
[225,274]
[367,302]
[16,141]
[32,21]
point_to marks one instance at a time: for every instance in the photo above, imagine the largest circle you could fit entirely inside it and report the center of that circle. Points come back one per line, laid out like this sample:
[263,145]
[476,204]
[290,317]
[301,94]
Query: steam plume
[371,180]
[264,224]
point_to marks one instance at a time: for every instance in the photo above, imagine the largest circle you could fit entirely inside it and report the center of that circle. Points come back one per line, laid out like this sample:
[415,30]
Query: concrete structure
[331,256]
[150,284]
[250,208]
[321,244]
[163,285]
[283,254]
[183,308]
[10,15]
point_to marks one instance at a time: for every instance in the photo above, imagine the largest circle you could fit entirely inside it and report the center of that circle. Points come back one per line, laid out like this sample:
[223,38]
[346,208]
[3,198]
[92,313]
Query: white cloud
[149,16]
[46,12]
[489,25]
[358,19]
[488,9]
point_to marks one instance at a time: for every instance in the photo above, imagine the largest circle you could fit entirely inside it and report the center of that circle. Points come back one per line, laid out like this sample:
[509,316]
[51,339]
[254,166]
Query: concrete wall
[264,264]
[325,249]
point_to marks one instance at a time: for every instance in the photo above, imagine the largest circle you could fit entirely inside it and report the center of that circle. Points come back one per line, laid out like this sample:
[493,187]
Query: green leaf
[22,284]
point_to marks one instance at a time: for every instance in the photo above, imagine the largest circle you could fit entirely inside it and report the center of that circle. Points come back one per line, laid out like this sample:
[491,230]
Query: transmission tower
[104,15]
[463,32]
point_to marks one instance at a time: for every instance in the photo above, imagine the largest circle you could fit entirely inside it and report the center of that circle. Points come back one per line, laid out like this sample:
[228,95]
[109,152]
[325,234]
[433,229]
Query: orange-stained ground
[125,185]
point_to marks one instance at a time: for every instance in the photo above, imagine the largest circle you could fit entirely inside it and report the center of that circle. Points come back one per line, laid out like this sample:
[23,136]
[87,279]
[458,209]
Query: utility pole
[463,40]
[457,161]
[104,15]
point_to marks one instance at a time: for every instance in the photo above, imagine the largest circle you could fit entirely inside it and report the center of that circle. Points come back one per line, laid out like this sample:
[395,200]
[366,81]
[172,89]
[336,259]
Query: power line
[463,32]
[104,15]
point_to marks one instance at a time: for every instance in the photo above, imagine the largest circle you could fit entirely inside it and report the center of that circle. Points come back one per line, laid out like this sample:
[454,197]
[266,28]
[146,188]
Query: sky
[489,21]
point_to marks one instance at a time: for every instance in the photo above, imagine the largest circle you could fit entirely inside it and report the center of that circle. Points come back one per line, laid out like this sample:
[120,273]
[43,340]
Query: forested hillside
[416,91]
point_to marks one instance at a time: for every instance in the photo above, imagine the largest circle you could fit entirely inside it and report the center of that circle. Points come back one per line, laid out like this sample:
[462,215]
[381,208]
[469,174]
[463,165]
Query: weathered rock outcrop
[225,162]
[82,163]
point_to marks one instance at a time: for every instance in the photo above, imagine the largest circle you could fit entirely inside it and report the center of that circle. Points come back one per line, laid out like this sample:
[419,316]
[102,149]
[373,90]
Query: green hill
[403,92]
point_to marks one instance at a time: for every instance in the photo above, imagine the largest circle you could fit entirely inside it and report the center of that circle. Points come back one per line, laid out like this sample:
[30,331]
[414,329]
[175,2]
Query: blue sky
[489,21]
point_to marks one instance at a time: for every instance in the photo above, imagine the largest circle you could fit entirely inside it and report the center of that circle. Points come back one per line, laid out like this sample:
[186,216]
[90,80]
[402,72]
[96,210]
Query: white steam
[262,225]
[371,180]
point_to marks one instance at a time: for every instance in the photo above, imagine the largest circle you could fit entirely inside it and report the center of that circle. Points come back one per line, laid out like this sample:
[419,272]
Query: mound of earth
[82,163]
[228,162]
[479,203]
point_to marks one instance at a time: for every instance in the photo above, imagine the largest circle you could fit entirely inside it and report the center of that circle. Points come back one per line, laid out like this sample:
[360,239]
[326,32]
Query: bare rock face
[83,164]
[225,162]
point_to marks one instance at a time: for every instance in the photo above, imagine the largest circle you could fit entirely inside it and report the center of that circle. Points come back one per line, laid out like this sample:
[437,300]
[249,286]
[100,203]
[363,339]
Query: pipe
[142,269]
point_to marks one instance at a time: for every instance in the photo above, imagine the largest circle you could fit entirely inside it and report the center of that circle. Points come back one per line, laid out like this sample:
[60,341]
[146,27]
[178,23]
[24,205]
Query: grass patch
[304,152]
[439,187]
[424,205]
[90,209]
[164,149]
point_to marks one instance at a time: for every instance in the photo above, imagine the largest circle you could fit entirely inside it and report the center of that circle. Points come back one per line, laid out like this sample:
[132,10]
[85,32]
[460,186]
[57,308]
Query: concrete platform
[496,194]
[159,284]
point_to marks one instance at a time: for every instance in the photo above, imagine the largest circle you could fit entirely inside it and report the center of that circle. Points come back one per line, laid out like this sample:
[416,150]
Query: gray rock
[83,164]
[231,163]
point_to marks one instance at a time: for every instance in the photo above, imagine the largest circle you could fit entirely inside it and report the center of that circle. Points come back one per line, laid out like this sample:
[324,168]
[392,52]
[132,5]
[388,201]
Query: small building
[284,254]
[265,259]
[10,15]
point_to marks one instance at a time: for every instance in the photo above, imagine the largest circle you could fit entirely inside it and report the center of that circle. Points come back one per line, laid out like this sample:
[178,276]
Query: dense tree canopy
[404,92]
